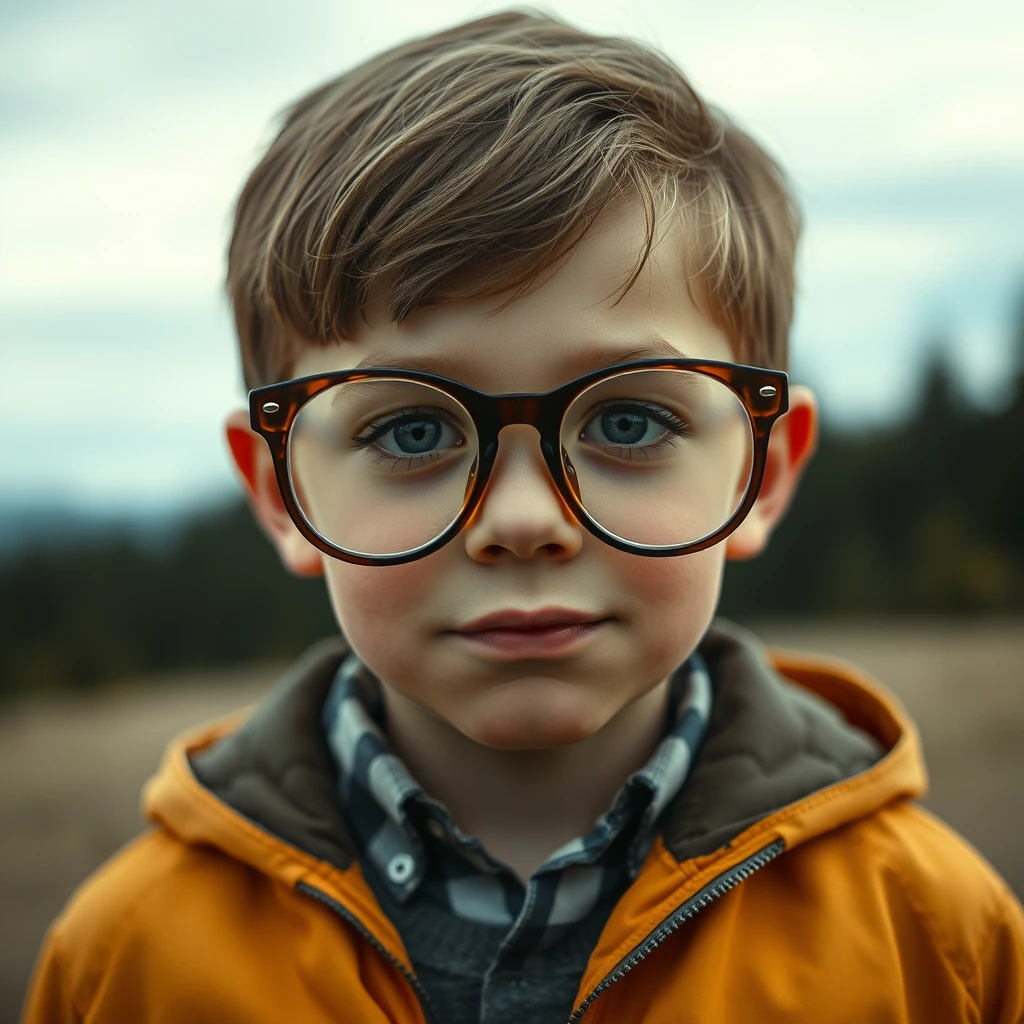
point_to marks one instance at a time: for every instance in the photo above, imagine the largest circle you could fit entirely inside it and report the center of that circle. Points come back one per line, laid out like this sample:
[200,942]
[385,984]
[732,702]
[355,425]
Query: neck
[524,804]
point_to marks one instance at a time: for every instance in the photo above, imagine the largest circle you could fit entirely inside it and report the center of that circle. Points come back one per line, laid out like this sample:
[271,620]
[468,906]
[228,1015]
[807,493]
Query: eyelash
[380,428]
[376,430]
[657,413]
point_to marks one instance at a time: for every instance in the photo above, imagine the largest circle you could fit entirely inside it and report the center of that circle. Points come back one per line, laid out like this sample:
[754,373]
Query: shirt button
[400,868]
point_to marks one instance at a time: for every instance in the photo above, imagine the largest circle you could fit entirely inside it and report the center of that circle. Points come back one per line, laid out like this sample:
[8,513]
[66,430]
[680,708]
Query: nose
[521,514]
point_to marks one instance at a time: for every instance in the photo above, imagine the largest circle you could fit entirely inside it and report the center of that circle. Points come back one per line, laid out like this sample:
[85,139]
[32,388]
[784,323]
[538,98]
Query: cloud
[127,130]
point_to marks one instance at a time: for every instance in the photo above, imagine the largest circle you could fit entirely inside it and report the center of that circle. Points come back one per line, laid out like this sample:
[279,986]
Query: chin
[532,714]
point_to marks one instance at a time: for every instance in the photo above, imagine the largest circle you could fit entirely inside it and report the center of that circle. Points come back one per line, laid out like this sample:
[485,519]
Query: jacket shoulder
[972,916]
[110,910]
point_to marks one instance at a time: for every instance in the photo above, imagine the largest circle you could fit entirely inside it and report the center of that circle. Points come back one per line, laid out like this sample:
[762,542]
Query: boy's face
[523,551]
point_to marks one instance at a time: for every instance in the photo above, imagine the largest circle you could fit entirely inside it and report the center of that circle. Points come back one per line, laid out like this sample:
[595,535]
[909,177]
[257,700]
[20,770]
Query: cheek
[685,581]
[672,600]
[376,605]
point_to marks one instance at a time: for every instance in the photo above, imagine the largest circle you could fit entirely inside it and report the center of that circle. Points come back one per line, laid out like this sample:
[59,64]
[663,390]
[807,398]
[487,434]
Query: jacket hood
[796,746]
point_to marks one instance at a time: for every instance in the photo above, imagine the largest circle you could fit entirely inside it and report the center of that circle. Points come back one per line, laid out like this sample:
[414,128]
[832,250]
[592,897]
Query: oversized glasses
[654,456]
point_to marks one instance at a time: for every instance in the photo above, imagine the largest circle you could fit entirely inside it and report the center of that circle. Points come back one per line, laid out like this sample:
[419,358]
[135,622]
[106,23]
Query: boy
[535,782]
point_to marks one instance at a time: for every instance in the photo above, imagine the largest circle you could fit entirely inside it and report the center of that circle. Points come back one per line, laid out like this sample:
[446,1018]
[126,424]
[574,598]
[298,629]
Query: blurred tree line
[925,516]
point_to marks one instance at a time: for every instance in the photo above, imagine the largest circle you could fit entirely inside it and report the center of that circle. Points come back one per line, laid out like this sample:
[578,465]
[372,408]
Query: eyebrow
[580,361]
[443,365]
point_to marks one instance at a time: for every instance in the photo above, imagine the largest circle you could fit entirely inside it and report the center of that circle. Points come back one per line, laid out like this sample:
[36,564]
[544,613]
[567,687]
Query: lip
[544,633]
[542,618]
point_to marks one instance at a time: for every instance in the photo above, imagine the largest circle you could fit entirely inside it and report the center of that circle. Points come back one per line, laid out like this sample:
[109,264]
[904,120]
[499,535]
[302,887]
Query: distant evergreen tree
[1017,342]
[213,595]
[924,516]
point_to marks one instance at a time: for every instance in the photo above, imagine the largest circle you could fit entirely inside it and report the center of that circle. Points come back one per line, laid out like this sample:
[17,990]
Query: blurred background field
[73,764]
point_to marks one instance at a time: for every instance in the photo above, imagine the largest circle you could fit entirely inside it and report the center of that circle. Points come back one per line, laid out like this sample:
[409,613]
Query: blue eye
[626,426]
[632,425]
[411,435]
[414,437]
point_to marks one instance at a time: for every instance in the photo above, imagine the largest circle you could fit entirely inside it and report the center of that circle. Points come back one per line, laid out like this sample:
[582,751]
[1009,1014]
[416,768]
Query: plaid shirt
[419,852]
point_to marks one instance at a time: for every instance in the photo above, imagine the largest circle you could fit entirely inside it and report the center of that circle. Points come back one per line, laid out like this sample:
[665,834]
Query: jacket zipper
[344,912]
[714,890]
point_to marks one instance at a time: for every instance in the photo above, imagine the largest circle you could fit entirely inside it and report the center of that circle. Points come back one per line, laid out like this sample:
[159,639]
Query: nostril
[513,552]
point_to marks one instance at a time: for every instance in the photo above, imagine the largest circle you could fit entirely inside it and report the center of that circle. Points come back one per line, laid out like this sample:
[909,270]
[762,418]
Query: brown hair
[465,163]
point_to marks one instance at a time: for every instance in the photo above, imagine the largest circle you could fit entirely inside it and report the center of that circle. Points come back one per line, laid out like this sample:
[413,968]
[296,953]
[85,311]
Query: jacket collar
[770,747]
[769,744]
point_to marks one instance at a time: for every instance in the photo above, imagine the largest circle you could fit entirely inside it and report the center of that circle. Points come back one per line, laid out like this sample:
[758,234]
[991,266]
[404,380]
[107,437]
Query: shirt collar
[387,809]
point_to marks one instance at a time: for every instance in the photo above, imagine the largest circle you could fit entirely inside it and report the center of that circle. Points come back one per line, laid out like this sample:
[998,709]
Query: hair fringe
[466,163]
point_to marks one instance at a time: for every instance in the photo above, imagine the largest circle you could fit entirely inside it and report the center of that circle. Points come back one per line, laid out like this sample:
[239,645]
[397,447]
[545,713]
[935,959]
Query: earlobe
[256,470]
[793,441]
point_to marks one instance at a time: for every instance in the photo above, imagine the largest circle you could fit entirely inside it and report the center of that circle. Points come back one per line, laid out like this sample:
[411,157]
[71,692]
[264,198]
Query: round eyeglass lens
[659,458]
[381,466]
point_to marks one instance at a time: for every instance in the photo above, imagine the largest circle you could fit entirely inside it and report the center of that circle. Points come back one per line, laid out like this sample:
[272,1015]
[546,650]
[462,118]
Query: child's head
[510,204]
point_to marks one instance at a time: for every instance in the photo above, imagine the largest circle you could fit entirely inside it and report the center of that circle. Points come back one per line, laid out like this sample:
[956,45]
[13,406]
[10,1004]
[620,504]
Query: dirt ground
[71,769]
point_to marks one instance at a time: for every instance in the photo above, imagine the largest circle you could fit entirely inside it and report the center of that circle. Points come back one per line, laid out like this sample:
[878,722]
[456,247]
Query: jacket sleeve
[999,977]
[48,1000]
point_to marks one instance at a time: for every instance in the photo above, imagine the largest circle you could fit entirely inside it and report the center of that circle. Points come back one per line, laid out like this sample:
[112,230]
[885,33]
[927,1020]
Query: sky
[126,130]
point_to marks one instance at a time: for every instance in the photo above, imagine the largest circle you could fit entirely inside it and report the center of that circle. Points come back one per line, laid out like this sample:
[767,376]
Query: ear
[794,439]
[256,469]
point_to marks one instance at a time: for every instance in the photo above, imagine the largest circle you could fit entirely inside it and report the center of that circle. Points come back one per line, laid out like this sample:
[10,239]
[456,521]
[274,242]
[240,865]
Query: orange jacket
[844,903]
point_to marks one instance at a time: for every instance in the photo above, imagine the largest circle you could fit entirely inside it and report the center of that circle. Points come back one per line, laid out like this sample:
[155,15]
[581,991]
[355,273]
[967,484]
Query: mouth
[545,633]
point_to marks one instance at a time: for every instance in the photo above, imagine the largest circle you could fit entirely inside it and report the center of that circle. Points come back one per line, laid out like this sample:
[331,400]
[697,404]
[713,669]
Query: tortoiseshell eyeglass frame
[274,408]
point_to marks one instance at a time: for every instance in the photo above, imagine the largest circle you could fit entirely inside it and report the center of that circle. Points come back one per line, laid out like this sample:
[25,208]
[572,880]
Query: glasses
[654,456]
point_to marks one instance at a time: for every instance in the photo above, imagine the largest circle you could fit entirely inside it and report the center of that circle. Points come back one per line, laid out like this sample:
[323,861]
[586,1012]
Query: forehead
[576,319]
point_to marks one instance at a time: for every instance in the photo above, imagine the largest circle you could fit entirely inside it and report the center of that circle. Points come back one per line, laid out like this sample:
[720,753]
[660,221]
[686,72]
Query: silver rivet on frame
[768,391]
[274,407]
